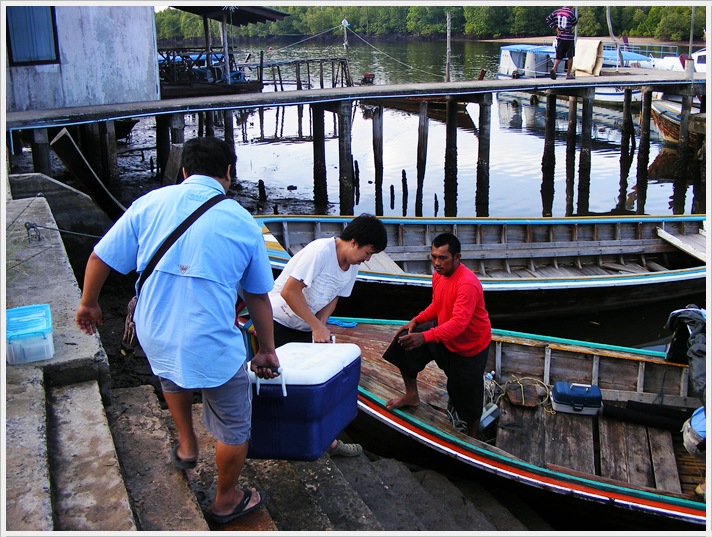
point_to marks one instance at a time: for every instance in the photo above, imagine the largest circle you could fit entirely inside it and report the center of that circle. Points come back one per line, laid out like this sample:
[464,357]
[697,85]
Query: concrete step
[88,489]
[161,497]
[390,507]
[435,502]
[301,495]
[28,504]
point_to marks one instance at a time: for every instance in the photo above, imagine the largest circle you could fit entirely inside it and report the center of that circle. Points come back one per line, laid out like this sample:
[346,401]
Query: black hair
[366,229]
[207,155]
[453,243]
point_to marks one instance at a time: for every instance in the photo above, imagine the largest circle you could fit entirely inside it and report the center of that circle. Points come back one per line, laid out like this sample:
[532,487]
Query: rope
[308,38]
[66,231]
[391,57]
[545,403]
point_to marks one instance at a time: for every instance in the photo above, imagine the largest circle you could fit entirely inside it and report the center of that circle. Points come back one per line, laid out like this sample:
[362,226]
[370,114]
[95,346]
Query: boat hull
[550,452]
[529,268]
[667,116]
[516,304]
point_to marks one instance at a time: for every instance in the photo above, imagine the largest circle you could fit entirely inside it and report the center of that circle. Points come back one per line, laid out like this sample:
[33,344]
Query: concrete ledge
[38,272]
[28,505]
[89,492]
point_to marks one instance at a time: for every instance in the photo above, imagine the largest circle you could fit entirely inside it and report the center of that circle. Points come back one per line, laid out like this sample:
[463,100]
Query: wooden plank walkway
[466,90]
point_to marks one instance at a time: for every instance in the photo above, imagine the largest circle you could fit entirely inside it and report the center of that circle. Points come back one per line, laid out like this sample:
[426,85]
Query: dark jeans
[465,374]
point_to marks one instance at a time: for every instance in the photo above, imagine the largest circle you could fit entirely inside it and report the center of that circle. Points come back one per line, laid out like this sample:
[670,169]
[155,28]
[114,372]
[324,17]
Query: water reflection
[280,153]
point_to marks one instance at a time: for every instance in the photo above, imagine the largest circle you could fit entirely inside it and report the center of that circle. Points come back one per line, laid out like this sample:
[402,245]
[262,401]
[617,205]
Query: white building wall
[108,55]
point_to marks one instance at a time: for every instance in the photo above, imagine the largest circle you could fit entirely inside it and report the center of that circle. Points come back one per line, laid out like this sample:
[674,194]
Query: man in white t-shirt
[306,292]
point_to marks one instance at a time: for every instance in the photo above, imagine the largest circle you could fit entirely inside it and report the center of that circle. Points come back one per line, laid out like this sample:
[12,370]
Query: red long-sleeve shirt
[459,306]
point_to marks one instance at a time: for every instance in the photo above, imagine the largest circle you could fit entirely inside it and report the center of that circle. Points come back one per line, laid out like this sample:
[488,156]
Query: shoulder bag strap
[177,232]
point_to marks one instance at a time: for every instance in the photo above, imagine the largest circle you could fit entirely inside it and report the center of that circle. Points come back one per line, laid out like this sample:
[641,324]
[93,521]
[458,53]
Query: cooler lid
[311,363]
[26,320]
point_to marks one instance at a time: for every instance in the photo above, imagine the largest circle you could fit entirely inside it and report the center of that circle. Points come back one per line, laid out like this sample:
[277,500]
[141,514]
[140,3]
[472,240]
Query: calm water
[517,140]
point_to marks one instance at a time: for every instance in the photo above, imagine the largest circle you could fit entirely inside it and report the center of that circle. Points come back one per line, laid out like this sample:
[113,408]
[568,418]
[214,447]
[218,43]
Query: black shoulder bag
[129,341]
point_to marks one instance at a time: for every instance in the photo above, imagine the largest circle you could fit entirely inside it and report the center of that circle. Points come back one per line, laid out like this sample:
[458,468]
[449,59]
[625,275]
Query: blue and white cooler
[296,415]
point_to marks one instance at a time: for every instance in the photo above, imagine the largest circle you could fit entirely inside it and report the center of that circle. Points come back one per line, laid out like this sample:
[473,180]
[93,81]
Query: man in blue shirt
[186,309]
[563,21]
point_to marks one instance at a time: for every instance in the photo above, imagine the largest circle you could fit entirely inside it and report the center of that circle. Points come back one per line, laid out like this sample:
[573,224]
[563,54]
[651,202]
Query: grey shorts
[227,409]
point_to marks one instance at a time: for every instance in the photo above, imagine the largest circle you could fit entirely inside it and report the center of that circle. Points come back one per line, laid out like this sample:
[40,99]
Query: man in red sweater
[455,331]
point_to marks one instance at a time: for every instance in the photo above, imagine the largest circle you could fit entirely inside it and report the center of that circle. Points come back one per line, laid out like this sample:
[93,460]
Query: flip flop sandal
[241,508]
[179,463]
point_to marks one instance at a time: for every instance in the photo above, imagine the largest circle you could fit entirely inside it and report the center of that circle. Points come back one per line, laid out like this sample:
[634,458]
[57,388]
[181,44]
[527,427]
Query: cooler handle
[574,384]
[284,383]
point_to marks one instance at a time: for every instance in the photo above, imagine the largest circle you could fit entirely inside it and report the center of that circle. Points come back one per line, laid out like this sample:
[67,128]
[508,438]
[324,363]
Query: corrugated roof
[236,15]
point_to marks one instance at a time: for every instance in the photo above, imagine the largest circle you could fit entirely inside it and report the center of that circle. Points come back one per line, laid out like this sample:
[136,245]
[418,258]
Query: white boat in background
[677,63]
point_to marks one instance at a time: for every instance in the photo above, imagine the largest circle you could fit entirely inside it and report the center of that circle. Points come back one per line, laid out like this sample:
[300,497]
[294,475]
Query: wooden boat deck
[694,244]
[617,452]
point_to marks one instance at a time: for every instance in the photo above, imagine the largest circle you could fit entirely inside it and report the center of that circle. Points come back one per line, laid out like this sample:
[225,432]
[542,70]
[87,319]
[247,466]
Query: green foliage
[670,22]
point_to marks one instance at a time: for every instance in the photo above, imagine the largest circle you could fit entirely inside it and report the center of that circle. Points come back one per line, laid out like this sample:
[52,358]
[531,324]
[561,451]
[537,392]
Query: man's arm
[89,314]
[293,294]
[260,310]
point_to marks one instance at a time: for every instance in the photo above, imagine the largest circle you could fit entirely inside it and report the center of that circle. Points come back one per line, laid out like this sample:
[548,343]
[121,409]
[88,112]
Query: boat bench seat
[535,249]
[380,262]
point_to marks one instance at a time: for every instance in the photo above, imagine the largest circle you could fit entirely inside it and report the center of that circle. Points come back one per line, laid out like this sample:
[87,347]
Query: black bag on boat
[689,344]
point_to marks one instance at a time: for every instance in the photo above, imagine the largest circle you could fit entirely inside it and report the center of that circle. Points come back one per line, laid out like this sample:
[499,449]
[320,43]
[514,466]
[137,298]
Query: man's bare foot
[403,400]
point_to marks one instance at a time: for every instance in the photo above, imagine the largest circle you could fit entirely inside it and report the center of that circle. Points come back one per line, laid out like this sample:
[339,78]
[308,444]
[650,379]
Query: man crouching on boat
[455,331]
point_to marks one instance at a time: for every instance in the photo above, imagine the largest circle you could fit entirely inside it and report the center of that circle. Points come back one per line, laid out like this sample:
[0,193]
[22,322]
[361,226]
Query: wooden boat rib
[636,467]
[529,267]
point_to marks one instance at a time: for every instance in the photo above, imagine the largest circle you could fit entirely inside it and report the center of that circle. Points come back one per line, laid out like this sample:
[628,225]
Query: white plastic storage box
[29,334]
[573,398]
[297,415]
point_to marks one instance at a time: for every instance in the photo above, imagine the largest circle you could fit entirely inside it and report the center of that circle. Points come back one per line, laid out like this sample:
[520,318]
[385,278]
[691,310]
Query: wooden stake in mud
[378,157]
[404,182]
[422,155]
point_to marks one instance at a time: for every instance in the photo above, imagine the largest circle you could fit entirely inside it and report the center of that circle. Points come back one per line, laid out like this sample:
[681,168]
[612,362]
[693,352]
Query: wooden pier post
[585,154]
[450,157]
[229,126]
[109,160]
[177,128]
[627,149]
[483,155]
[346,166]
[548,161]
[319,148]
[378,158]
[163,143]
[422,156]
[40,152]
[571,155]
[644,152]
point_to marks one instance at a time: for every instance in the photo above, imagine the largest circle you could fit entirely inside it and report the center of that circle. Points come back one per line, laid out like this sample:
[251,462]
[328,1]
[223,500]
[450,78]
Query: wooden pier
[339,100]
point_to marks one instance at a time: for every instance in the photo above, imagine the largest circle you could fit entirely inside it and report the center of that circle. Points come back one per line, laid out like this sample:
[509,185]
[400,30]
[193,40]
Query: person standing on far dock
[563,21]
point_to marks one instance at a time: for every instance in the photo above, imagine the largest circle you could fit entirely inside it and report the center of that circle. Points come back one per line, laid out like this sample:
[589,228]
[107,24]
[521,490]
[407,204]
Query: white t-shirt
[317,267]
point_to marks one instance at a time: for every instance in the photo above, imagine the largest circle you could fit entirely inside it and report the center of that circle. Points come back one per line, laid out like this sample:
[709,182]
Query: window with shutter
[31,35]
